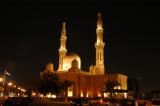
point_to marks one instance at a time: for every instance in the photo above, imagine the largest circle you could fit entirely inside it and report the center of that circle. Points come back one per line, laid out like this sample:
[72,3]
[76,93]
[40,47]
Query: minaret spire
[99,45]
[62,49]
[63,32]
[99,21]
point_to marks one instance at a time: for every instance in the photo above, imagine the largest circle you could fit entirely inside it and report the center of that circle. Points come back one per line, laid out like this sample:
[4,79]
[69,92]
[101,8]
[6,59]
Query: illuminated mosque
[85,84]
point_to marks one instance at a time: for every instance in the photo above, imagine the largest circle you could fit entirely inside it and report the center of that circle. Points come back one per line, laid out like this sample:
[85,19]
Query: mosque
[85,83]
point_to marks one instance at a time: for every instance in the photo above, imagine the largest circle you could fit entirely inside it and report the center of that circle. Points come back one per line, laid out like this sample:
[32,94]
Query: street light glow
[23,90]
[10,84]
[1,79]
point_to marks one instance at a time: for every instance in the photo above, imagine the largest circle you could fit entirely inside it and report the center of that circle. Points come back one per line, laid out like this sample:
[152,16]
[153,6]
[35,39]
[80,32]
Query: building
[91,83]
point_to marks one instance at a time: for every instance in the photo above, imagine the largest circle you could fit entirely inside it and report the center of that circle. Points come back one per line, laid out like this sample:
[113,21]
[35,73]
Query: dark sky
[30,32]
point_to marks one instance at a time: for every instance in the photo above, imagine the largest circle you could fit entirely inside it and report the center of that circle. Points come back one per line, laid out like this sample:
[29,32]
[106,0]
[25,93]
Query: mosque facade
[90,83]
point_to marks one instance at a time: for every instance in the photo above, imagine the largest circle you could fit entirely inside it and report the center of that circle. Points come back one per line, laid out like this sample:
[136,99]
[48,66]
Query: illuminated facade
[91,83]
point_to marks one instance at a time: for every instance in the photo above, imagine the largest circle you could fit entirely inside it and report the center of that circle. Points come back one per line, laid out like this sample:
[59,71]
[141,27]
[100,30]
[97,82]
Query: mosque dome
[67,61]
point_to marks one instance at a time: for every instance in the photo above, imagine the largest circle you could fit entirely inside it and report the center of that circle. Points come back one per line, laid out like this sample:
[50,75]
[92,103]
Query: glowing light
[81,94]
[101,101]
[66,66]
[119,87]
[67,61]
[10,84]
[99,28]
[98,41]
[14,86]
[53,96]
[41,95]
[11,94]
[70,93]
[1,79]
[125,95]
[99,94]
[33,94]
[23,90]
[105,95]
[48,96]
[63,48]
[87,95]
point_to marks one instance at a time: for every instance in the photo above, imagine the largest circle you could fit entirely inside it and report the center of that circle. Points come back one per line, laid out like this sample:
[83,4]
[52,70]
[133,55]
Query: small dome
[50,67]
[67,61]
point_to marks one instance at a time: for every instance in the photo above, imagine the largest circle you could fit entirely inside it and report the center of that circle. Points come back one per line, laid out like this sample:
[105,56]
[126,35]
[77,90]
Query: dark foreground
[77,102]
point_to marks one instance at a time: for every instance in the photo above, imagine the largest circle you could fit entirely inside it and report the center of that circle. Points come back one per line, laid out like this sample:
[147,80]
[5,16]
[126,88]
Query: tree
[110,85]
[50,83]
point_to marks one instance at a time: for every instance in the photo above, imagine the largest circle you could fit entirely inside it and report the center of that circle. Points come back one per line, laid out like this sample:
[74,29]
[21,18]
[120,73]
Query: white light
[119,87]
[48,96]
[105,95]
[53,96]
[125,95]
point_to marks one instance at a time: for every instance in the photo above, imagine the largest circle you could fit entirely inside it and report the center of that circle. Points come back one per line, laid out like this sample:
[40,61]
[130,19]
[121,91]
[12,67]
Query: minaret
[62,49]
[99,45]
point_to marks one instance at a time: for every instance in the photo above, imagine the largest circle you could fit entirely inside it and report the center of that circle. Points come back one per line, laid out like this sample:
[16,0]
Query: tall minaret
[62,49]
[99,45]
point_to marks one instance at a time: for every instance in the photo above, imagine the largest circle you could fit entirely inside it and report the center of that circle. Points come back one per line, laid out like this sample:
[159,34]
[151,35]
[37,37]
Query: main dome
[67,61]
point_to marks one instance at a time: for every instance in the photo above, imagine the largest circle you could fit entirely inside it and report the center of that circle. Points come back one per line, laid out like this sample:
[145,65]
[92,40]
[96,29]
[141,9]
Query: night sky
[30,32]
